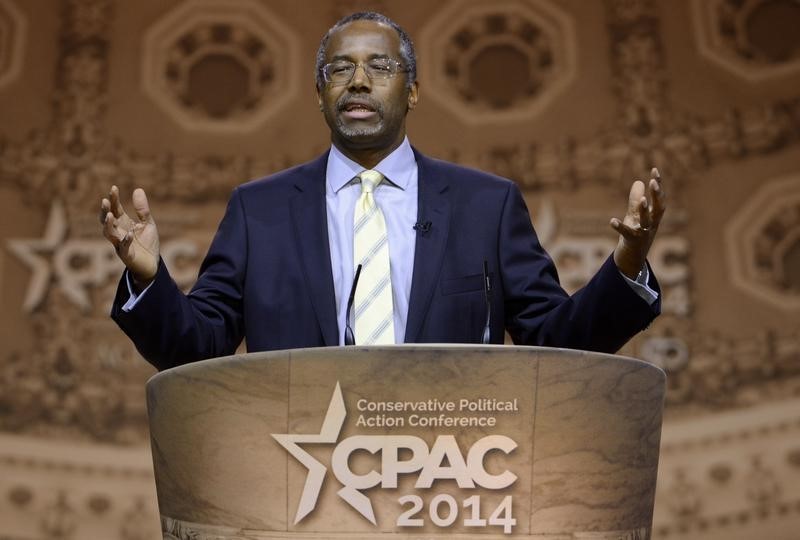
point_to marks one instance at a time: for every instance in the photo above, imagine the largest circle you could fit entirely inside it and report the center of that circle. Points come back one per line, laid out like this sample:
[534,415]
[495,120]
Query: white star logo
[27,250]
[331,426]
[75,264]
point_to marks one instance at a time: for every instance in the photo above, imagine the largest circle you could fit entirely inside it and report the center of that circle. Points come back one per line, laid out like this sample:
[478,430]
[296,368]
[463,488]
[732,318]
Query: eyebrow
[350,58]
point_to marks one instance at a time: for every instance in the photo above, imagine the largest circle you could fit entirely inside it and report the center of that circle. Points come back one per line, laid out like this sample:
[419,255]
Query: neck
[367,157]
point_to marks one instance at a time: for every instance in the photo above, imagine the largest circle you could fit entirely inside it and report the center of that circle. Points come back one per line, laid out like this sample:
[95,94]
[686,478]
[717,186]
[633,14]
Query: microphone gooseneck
[349,337]
[486,338]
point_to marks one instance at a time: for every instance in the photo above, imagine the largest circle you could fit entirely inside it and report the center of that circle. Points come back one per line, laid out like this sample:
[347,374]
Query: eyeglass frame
[399,67]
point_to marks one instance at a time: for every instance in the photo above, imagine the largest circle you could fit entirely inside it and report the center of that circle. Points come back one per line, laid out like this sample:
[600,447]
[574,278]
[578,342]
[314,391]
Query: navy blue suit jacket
[267,276]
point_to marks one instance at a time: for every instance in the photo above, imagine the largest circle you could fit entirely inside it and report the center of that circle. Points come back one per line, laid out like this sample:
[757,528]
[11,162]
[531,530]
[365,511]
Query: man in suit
[281,266]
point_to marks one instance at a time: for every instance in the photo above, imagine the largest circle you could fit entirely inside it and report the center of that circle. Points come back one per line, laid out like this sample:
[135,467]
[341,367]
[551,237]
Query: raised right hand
[135,240]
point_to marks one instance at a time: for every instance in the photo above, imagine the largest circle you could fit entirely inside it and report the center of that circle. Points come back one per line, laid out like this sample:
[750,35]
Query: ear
[319,99]
[413,95]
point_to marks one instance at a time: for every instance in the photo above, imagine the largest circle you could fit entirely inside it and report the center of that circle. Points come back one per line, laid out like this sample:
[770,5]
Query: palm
[142,255]
[135,239]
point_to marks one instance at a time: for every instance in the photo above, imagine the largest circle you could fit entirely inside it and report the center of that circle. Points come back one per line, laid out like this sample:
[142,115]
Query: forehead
[363,39]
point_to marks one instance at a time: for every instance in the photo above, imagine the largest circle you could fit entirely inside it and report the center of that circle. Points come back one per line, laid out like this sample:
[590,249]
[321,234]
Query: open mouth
[358,110]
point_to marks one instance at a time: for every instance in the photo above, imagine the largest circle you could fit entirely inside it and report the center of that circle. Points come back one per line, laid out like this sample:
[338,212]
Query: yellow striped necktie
[374,312]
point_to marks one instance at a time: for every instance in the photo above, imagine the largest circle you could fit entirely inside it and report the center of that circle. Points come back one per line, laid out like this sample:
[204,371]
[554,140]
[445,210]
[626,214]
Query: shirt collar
[396,167]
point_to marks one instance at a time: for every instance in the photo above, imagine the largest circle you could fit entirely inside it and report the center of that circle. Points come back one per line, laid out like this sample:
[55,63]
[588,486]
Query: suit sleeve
[170,328]
[602,316]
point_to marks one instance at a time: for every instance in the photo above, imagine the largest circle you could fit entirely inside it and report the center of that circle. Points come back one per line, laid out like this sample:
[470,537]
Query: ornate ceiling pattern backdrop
[571,99]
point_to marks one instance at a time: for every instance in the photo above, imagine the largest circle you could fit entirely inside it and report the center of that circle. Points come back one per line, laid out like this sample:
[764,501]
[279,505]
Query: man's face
[365,114]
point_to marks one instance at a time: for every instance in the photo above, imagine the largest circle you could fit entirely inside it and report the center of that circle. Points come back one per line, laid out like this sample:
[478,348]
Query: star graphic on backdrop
[331,426]
[34,253]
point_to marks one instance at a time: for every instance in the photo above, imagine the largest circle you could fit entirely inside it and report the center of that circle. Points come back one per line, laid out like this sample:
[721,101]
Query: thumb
[141,206]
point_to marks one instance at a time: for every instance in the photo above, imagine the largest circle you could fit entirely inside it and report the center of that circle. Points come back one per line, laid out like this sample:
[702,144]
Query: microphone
[486,338]
[422,226]
[349,338]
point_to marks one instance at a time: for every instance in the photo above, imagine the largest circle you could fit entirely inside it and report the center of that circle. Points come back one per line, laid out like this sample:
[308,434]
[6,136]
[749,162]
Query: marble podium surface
[411,441]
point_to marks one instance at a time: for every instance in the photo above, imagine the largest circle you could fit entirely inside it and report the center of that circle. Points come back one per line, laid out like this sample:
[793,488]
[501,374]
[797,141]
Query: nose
[360,80]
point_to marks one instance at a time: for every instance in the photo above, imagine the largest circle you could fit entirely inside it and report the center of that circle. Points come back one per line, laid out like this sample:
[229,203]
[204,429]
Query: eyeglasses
[377,69]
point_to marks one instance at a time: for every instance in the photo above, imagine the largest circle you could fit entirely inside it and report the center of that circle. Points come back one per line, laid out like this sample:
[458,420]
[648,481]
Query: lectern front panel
[407,442]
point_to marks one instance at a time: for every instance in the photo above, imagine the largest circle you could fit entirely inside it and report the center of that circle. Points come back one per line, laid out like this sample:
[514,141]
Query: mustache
[347,99]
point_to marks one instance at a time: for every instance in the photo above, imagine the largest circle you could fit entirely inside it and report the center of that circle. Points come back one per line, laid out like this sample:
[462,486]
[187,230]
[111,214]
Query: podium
[408,441]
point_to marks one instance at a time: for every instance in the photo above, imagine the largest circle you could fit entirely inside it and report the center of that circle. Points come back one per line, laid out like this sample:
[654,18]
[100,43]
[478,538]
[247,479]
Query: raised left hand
[637,230]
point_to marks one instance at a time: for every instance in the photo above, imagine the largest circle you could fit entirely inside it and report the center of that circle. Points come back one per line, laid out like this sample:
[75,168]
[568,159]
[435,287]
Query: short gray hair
[407,54]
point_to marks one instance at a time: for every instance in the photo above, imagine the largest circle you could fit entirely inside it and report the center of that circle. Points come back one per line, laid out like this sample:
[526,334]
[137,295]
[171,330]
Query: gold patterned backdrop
[570,98]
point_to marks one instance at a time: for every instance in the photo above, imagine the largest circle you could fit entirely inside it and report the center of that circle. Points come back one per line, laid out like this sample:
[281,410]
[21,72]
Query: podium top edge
[316,352]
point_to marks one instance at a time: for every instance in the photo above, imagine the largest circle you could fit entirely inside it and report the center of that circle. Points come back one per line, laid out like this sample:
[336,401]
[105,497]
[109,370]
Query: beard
[355,132]
[358,130]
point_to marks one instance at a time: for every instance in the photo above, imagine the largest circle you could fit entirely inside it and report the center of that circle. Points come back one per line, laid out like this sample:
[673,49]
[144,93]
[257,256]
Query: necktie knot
[370,180]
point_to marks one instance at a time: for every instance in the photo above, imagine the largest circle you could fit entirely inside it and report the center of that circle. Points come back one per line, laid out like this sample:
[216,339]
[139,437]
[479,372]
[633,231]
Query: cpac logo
[468,472]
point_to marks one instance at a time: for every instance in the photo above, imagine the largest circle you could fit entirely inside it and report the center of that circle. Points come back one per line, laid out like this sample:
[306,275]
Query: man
[281,266]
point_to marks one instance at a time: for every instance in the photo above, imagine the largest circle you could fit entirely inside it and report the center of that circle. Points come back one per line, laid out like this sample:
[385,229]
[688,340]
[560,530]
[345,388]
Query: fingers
[112,231]
[116,205]
[121,239]
[113,205]
[627,231]
[110,212]
[645,207]
[638,208]
[645,217]
[646,202]
[635,197]
[141,205]
[105,208]
[112,216]
[654,174]
[658,195]
[125,246]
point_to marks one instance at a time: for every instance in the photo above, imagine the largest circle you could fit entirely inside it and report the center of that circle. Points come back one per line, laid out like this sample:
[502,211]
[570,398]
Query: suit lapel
[434,206]
[310,222]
